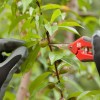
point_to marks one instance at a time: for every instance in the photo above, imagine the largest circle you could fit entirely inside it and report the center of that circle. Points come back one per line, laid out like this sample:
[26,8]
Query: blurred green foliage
[29,20]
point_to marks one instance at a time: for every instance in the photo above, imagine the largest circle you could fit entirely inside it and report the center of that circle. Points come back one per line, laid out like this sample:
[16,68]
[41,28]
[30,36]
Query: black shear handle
[8,45]
[12,63]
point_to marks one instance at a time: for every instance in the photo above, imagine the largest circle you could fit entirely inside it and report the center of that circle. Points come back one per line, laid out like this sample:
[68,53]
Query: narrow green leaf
[75,94]
[82,95]
[9,95]
[55,14]
[50,6]
[94,92]
[56,55]
[73,83]
[51,29]
[43,61]
[40,25]
[15,21]
[70,61]
[31,58]
[71,29]
[28,24]
[44,84]
[84,4]
[14,8]
[26,4]
[90,19]
[37,82]
[30,44]
[31,36]
[73,23]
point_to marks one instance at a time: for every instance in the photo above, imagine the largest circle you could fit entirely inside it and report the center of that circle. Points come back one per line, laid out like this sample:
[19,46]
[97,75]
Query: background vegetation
[51,73]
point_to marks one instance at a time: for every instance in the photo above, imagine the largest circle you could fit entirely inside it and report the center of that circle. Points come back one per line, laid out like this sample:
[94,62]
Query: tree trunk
[23,93]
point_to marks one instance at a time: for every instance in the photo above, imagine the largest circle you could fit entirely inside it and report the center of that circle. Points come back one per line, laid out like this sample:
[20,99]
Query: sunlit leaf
[9,96]
[82,95]
[15,21]
[70,61]
[90,19]
[14,8]
[31,58]
[50,6]
[30,43]
[75,94]
[28,24]
[68,23]
[84,4]
[94,92]
[44,83]
[73,83]
[26,4]
[67,28]
[56,55]
[37,82]
[55,14]
[51,29]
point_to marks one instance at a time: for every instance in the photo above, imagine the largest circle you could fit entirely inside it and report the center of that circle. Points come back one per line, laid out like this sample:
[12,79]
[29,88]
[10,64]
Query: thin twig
[48,38]
[55,63]
[49,41]
[38,4]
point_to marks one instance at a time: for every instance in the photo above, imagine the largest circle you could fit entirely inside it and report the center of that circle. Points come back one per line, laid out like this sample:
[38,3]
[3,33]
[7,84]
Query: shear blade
[63,46]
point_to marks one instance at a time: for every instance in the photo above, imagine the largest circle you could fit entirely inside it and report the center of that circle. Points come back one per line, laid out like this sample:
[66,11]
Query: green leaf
[75,94]
[70,61]
[73,83]
[56,55]
[40,25]
[1,3]
[31,58]
[44,84]
[50,6]
[90,19]
[82,95]
[31,36]
[94,92]
[15,21]
[72,23]
[30,43]
[9,96]
[43,61]
[28,24]
[51,29]
[31,39]
[71,29]
[14,8]
[37,82]
[87,94]
[55,14]
[83,3]
[26,4]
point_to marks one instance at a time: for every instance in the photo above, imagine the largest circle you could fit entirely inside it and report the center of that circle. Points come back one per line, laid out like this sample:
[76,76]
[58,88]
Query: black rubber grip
[8,45]
[10,66]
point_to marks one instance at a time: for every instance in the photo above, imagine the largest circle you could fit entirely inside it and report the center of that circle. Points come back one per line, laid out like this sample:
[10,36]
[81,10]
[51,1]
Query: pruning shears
[82,48]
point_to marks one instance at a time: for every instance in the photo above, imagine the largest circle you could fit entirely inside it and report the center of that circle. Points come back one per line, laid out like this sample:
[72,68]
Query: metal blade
[60,45]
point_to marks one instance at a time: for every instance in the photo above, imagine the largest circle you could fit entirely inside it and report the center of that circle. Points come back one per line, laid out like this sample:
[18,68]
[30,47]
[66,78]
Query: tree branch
[55,63]
[23,93]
